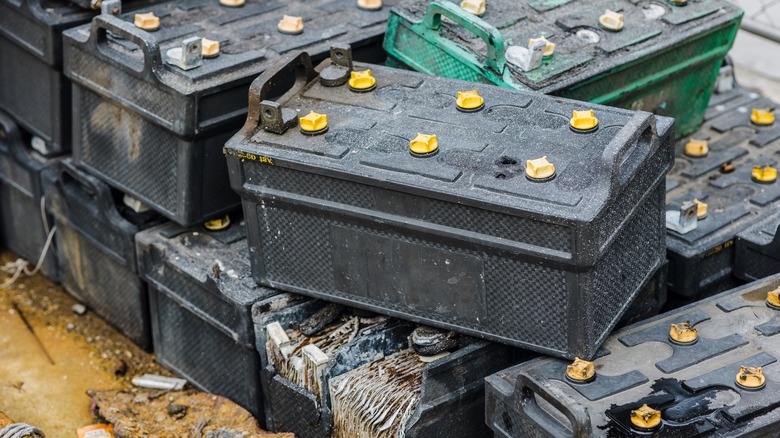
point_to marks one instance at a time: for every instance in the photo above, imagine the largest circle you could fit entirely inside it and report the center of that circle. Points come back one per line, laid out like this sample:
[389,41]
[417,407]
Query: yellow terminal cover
[580,370]
[476,7]
[762,116]
[469,100]
[697,148]
[611,20]
[539,168]
[646,417]
[751,377]
[361,80]
[765,174]
[583,120]
[290,24]
[313,122]
[424,144]
[548,51]
[147,21]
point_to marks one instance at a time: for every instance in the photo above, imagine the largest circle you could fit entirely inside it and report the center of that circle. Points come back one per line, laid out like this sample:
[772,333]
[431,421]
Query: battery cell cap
[218,224]
[773,299]
[697,148]
[476,7]
[424,145]
[611,20]
[291,25]
[539,169]
[683,333]
[581,370]
[584,120]
[232,3]
[361,80]
[750,377]
[470,100]
[702,209]
[764,174]
[549,50]
[209,48]
[147,21]
[314,123]
[762,116]
[646,418]
[369,5]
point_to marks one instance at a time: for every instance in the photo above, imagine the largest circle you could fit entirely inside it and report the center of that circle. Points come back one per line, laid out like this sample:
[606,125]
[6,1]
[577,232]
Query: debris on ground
[148,412]
[154,381]
[9,429]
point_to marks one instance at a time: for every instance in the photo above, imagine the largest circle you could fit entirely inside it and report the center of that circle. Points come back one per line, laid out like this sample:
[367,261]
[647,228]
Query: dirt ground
[50,357]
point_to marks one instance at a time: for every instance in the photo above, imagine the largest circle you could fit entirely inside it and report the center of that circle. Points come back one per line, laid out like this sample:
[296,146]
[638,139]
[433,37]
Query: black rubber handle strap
[146,42]
[531,384]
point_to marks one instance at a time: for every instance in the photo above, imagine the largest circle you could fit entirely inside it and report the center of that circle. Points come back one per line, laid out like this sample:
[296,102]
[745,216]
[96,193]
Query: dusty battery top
[708,369]
[657,56]
[723,180]
[518,217]
[758,250]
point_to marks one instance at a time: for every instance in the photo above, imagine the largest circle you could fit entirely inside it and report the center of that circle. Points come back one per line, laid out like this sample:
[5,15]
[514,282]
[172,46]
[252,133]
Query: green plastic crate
[664,60]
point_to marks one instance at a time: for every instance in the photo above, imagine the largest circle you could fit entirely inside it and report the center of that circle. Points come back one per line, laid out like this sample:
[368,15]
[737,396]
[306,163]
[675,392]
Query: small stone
[70,326]
[177,411]
[79,309]
[90,340]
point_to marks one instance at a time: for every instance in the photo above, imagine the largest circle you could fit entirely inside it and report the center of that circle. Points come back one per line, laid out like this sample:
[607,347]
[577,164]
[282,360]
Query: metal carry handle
[146,42]
[296,63]
[530,384]
[639,132]
[492,36]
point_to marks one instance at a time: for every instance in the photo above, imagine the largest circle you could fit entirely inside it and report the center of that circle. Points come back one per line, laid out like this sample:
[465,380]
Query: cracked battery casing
[693,386]
[155,130]
[33,88]
[24,227]
[351,216]
[201,294]
[404,394]
[757,250]
[665,59]
[293,406]
[702,259]
[96,248]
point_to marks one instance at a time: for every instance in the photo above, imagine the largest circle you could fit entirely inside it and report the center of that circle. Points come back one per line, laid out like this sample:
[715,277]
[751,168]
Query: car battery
[33,89]
[160,92]
[722,182]
[707,369]
[96,246]
[661,57]
[417,393]
[468,226]
[758,250]
[25,227]
[201,294]
[305,344]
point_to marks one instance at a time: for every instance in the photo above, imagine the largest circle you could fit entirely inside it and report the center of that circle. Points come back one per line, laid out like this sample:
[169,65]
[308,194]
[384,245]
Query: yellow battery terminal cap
[476,7]
[773,299]
[209,48]
[611,21]
[232,3]
[697,148]
[762,116]
[583,120]
[290,25]
[683,333]
[646,417]
[147,21]
[701,209]
[750,377]
[678,2]
[581,370]
[539,169]
[764,174]
[361,80]
[313,123]
[469,100]
[369,5]
[424,145]
[218,224]
[548,50]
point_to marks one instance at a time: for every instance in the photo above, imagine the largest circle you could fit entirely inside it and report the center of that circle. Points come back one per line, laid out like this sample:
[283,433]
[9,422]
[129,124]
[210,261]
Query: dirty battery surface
[723,180]
[707,369]
[33,88]
[24,226]
[305,343]
[661,57]
[508,219]
[156,106]
[758,250]
[96,246]
[201,294]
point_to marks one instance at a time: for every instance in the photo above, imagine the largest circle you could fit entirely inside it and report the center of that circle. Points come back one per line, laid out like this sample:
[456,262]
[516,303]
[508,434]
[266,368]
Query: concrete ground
[757,59]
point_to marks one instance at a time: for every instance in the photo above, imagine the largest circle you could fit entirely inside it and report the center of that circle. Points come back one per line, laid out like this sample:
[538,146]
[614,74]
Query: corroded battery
[723,181]
[159,91]
[708,369]
[496,213]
